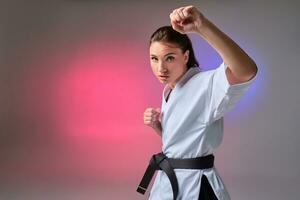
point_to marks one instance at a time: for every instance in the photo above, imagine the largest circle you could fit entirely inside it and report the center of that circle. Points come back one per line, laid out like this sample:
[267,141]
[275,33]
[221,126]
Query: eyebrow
[164,56]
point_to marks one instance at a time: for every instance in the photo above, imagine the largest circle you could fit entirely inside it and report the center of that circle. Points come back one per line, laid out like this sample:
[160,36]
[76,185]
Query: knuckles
[185,11]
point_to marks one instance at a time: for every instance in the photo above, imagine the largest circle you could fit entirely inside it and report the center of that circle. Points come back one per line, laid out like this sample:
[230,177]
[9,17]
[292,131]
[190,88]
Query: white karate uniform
[192,123]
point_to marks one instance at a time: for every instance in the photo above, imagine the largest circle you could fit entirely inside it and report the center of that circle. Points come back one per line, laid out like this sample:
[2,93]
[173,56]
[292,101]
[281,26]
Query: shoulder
[199,83]
[203,76]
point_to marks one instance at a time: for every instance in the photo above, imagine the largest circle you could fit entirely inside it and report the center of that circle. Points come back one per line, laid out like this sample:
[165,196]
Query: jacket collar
[188,74]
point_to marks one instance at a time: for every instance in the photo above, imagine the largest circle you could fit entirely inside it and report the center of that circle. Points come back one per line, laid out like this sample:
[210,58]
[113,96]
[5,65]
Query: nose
[161,68]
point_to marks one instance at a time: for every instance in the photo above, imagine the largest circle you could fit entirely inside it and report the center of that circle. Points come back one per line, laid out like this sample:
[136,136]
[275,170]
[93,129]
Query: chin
[164,82]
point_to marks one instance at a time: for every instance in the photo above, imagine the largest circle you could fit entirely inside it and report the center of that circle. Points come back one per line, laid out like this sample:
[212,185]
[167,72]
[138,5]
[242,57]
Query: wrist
[157,126]
[204,26]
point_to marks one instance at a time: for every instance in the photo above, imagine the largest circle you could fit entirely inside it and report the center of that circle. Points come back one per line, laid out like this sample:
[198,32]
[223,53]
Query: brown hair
[169,35]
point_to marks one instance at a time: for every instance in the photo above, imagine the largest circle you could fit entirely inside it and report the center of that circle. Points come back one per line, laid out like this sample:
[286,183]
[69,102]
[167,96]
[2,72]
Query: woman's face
[168,63]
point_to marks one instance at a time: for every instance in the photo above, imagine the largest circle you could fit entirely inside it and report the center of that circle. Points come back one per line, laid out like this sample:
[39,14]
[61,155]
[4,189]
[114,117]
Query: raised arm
[189,19]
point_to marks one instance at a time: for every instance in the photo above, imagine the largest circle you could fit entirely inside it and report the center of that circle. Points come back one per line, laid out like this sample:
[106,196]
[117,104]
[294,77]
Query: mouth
[163,77]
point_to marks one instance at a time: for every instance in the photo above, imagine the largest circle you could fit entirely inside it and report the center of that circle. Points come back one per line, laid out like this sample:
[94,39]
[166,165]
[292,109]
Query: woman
[190,121]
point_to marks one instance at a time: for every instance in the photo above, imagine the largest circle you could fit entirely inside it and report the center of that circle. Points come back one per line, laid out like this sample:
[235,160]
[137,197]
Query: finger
[189,8]
[155,115]
[148,115]
[192,10]
[148,109]
[177,27]
[185,13]
[147,121]
[154,110]
[151,118]
[172,16]
[175,17]
[180,14]
[175,23]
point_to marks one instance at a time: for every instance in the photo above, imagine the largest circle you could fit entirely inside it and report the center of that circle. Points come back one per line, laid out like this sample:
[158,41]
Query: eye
[170,58]
[154,58]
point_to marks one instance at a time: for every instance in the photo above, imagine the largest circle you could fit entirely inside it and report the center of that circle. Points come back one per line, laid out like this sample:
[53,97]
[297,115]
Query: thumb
[177,27]
[159,113]
[158,110]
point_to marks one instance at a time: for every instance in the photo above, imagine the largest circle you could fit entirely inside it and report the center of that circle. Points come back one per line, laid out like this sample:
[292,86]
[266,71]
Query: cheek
[181,61]
[179,68]
[153,67]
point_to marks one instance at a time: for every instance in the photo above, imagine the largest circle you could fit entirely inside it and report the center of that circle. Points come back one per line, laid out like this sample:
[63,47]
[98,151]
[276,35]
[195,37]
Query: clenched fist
[187,19]
[152,119]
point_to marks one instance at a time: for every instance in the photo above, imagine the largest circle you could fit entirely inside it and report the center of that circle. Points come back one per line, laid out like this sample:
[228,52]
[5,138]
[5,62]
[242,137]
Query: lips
[163,76]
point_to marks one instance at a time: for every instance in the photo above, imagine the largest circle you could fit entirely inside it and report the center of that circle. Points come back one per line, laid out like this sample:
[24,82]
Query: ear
[186,56]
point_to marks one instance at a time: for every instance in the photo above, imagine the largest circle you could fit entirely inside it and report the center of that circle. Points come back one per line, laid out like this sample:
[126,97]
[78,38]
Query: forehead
[162,48]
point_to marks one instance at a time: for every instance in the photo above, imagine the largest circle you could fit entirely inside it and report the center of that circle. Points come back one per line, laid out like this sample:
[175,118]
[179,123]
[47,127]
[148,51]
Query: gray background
[260,148]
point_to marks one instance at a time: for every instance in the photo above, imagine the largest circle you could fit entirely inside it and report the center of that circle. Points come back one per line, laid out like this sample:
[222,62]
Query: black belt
[161,162]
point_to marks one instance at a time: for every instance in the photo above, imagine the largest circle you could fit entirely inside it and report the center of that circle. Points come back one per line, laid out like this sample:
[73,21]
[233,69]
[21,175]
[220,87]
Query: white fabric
[192,123]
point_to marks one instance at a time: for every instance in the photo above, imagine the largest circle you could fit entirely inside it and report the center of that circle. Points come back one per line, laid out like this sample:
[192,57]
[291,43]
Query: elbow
[252,70]
[244,74]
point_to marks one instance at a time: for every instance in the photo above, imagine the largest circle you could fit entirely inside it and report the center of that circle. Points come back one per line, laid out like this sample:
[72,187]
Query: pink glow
[91,105]
[97,94]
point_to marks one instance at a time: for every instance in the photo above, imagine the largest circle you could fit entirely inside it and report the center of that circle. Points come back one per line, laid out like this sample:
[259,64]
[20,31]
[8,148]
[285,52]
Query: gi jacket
[192,126]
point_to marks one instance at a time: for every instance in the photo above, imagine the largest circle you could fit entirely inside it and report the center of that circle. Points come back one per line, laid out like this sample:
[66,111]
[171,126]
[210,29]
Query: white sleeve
[223,95]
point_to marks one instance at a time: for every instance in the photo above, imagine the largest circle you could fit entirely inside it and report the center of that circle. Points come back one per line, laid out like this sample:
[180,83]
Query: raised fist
[187,19]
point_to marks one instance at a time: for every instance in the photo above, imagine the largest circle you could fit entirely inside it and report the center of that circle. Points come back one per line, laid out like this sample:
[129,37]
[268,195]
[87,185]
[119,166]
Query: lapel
[191,72]
[168,107]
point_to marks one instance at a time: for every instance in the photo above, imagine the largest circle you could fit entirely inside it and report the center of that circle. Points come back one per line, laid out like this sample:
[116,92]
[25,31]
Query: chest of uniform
[188,101]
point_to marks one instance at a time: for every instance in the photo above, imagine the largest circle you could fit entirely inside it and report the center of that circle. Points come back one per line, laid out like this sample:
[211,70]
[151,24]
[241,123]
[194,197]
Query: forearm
[241,65]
